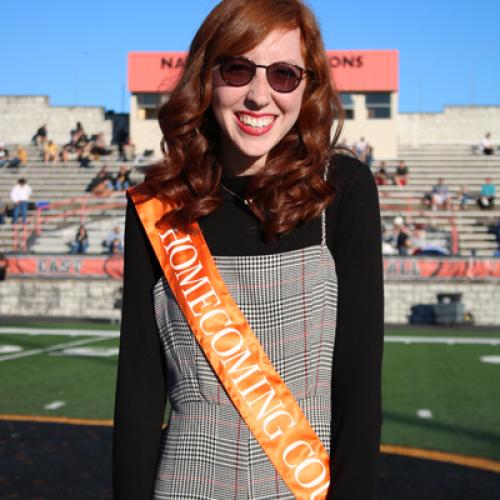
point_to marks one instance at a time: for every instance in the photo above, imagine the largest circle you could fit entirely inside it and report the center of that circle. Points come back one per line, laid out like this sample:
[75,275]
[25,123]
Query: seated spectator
[81,242]
[99,148]
[401,175]
[101,184]
[50,152]
[85,156]
[40,137]
[487,195]
[122,180]
[465,197]
[440,196]
[20,159]
[4,155]
[381,177]
[388,243]
[78,136]
[114,241]
[486,146]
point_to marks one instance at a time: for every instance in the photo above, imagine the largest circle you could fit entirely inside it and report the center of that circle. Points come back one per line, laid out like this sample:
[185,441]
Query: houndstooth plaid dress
[290,300]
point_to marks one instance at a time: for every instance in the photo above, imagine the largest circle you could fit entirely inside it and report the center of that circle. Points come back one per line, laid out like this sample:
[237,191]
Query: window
[348,105]
[148,105]
[378,105]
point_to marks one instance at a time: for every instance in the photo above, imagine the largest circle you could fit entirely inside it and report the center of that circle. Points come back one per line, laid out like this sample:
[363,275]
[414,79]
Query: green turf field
[436,396]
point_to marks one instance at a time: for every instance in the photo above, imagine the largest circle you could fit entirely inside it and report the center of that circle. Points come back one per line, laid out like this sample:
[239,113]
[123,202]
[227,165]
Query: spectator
[114,241]
[487,195]
[440,196]
[388,247]
[122,180]
[381,178]
[20,195]
[4,155]
[20,159]
[78,136]
[101,184]
[401,174]
[81,242]
[50,152]
[85,156]
[125,146]
[361,149]
[486,146]
[99,148]
[403,240]
[464,197]
[40,137]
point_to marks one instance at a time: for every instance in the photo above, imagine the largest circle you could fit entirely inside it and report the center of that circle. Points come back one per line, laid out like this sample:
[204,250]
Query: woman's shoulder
[345,168]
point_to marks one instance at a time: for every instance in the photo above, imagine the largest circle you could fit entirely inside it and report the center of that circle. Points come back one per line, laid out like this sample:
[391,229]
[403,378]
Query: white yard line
[443,340]
[56,347]
[5,330]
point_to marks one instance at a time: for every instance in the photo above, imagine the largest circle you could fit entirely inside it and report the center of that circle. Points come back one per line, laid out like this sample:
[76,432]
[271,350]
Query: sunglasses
[282,77]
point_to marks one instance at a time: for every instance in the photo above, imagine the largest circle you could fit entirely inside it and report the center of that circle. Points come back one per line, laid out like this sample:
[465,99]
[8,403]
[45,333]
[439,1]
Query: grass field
[438,393]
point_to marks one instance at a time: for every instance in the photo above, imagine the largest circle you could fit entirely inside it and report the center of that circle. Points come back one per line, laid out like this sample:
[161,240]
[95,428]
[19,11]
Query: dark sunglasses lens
[237,72]
[284,77]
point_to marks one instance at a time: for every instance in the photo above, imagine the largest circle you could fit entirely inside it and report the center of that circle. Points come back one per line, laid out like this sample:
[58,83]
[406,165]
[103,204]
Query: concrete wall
[96,298]
[455,125]
[23,115]
[480,298]
[380,133]
[60,297]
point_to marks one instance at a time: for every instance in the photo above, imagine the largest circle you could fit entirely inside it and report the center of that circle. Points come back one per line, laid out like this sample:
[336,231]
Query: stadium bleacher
[63,185]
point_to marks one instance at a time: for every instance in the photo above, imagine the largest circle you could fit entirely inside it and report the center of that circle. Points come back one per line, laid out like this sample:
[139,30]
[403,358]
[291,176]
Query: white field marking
[7,349]
[5,330]
[490,359]
[54,405]
[443,340]
[424,413]
[57,347]
[100,352]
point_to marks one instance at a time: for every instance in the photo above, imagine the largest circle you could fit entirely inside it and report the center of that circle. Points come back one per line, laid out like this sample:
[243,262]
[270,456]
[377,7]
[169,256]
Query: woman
[248,157]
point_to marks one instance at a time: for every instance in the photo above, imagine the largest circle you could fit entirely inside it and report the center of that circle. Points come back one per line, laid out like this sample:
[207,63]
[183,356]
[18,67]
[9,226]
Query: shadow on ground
[52,461]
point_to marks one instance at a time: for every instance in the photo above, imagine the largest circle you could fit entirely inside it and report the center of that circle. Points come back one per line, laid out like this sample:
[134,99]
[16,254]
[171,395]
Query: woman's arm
[355,242]
[140,390]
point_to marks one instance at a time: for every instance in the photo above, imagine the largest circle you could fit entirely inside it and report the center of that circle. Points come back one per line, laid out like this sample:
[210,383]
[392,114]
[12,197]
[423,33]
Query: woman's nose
[259,91]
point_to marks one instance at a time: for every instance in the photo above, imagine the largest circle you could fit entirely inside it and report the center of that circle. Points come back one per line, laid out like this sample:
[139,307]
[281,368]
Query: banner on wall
[395,268]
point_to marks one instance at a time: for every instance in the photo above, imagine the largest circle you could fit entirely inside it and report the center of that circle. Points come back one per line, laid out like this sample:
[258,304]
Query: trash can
[449,309]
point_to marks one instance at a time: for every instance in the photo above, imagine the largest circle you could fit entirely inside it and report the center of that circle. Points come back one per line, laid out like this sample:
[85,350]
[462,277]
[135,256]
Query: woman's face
[254,118]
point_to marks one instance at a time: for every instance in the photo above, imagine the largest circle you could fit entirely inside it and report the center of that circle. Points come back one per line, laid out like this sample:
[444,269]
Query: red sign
[352,70]
[66,266]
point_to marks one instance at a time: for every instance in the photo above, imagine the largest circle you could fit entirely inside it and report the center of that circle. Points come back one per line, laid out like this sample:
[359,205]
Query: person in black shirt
[295,226]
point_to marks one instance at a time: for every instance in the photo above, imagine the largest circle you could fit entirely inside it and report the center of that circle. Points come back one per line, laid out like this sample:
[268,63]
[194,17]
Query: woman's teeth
[256,122]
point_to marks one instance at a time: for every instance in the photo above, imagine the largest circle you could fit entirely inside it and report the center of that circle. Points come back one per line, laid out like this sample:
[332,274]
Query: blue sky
[76,52]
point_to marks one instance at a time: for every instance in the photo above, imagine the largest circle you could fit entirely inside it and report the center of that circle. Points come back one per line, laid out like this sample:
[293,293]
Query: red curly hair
[293,189]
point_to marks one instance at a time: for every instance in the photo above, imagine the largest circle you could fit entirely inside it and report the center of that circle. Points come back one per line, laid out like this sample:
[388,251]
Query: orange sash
[232,349]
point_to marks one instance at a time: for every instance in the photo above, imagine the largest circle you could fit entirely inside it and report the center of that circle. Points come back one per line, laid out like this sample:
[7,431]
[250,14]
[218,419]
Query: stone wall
[97,298]
[455,125]
[60,298]
[23,115]
[479,297]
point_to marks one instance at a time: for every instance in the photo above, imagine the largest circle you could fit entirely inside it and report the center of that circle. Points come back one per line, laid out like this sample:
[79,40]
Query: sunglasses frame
[302,72]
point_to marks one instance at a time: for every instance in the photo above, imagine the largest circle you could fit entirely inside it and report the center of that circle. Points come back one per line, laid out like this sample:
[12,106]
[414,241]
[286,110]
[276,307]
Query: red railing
[82,206]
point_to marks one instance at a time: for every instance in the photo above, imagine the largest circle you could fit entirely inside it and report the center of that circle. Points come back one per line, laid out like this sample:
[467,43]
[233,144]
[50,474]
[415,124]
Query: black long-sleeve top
[353,237]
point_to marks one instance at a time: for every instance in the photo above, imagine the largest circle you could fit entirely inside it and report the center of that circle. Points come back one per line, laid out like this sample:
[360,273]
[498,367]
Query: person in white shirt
[486,145]
[20,195]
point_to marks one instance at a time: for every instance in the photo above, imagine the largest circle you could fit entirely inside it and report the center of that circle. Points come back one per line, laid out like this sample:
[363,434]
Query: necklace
[246,201]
